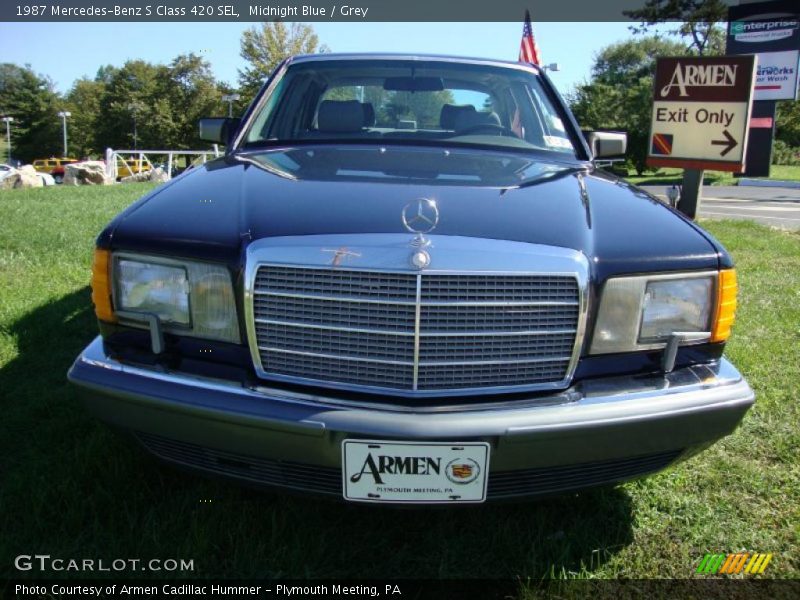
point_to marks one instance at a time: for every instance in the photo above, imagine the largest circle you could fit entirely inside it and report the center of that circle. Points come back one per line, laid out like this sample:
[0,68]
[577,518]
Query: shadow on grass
[76,489]
[34,382]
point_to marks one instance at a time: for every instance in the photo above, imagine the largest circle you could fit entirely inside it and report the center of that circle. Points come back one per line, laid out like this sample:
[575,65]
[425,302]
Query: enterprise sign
[768,30]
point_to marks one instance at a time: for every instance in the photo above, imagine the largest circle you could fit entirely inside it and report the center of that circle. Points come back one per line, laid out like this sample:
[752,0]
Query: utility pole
[135,107]
[64,114]
[7,120]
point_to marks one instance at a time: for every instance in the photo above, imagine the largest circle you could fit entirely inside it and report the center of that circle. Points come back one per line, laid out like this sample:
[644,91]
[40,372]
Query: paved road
[778,207]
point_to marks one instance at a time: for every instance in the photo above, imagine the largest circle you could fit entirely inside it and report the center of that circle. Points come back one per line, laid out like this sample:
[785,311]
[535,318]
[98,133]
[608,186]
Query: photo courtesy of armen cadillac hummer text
[406,281]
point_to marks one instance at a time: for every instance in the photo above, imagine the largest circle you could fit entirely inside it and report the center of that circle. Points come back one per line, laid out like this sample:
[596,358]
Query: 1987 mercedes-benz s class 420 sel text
[406,282]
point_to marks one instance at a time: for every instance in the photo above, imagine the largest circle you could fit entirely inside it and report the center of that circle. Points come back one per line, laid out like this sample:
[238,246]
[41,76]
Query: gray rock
[136,177]
[90,172]
[159,175]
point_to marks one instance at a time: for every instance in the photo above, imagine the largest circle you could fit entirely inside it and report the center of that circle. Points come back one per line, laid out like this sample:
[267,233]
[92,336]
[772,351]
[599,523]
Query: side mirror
[607,144]
[218,130]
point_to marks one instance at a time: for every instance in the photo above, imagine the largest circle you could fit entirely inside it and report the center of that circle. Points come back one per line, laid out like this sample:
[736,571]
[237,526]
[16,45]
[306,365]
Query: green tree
[83,101]
[699,22]
[263,47]
[192,93]
[31,100]
[133,110]
[147,106]
[787,123]
[620,91]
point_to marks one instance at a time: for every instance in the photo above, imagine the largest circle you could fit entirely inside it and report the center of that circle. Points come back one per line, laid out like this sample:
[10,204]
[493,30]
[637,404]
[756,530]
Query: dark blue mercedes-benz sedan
[406,281]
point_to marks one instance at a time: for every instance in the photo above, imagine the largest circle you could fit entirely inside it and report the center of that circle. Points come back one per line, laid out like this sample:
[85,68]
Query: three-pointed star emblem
[421,216]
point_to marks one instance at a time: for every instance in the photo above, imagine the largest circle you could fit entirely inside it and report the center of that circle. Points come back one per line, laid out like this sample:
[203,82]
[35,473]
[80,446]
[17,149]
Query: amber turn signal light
[101,285]
[726,305]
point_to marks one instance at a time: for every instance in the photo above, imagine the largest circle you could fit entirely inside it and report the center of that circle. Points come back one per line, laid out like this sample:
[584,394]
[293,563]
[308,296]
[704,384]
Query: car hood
[214,211]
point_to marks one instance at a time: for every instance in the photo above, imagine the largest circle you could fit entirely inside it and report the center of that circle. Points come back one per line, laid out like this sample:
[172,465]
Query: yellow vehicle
[126,168]
[53,166]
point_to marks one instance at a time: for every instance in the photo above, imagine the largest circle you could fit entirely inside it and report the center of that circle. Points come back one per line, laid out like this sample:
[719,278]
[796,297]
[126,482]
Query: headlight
[189,298]
[676,305]
[642,312]
[154,288]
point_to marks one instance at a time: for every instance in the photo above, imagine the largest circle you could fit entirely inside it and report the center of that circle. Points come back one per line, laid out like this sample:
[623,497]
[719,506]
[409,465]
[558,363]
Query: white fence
[137,161]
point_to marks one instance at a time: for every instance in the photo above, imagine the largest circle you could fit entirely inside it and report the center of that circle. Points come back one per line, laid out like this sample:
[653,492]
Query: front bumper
[597,432]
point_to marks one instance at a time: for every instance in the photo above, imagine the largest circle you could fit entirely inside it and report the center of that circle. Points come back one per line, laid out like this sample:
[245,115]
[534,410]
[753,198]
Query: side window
[259,130]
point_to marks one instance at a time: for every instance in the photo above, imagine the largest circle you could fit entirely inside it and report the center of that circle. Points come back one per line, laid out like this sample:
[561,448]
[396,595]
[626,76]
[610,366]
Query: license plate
[414,473]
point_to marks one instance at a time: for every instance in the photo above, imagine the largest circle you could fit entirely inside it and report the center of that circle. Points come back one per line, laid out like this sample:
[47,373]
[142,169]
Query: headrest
[340,116]
[466,120]
[369,114]
[447,118]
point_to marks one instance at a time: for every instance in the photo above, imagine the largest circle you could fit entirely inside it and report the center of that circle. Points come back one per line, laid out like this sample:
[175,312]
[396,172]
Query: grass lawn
[69,487]
[675,176]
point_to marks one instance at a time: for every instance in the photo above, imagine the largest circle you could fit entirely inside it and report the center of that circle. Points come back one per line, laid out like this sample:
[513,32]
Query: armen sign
[701,112]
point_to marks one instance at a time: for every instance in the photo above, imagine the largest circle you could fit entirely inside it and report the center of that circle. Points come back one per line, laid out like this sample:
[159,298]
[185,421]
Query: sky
[68,51]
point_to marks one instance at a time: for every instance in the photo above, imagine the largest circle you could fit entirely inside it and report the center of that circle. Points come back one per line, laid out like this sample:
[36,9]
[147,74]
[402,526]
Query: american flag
[528,50]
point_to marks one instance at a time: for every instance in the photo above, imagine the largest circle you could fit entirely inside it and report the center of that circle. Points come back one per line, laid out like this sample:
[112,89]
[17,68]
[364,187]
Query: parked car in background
[47,179]
[5,170]
[53,166]
[132,166]
[407,281]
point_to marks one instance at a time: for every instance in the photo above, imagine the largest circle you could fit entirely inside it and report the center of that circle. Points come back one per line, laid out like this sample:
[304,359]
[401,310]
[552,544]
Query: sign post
[701,118]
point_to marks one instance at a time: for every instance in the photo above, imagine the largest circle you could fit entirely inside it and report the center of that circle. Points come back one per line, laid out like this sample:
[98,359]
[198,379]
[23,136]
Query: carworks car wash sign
[701,112]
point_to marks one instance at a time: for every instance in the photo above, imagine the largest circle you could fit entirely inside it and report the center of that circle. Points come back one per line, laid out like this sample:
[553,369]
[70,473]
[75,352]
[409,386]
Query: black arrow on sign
[729,143]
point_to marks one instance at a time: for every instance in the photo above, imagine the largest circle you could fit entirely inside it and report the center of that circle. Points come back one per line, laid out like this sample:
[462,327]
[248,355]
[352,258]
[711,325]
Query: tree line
[139,104]
[145,105]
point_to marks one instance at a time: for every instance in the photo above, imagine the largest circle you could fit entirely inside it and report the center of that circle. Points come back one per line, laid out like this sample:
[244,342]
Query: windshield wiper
[549,176]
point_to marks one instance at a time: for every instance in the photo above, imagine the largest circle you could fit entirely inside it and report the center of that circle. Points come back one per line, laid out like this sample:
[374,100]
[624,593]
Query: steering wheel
[494,128]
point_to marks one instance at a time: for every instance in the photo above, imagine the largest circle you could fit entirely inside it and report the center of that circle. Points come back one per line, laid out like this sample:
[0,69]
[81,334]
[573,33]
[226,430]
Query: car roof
[301,58]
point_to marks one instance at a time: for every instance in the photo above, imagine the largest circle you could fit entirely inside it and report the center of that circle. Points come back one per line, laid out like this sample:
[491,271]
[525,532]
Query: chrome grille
[374,374]
[490,375]
[337,343]
[415,332]
[310,311]
[368,285]
[495,347]
[498,318]
[499,288]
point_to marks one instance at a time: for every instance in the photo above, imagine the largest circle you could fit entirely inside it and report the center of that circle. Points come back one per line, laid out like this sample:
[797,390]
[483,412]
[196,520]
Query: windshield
[377,101]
